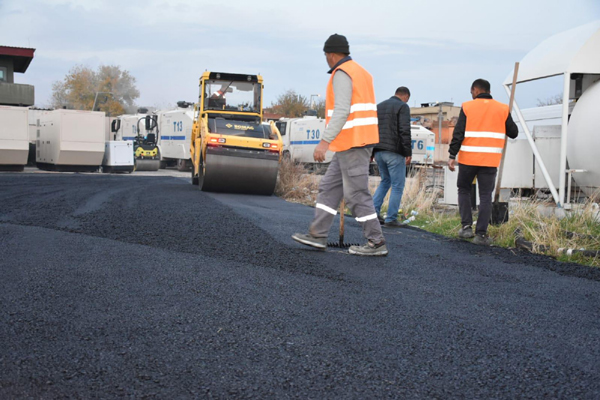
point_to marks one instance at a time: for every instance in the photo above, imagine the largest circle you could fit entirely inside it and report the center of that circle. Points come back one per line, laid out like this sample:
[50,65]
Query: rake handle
[342,208]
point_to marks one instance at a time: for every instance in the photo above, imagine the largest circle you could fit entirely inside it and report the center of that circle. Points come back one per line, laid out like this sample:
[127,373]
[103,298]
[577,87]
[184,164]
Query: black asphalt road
[145,287]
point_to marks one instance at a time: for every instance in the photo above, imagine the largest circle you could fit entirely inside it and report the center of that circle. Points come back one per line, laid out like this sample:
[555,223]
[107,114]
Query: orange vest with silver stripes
[360,128]
[485,133]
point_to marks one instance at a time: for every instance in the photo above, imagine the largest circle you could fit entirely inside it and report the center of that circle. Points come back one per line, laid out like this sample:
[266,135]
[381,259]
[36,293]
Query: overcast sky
[436,48]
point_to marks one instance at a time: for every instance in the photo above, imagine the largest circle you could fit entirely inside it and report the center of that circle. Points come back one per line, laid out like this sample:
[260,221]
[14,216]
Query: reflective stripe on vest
[360,128]
[485,133]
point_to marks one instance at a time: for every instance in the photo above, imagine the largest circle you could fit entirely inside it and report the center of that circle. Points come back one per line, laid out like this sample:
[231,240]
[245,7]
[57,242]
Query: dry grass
[295,184]
[298,185]
[578,229]
[416,197]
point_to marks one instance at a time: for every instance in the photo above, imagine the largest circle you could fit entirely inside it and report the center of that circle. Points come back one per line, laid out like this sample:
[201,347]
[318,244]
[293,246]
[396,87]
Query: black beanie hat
[337,44]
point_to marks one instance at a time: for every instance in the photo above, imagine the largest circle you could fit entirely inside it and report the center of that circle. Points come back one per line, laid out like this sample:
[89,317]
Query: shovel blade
[499,213]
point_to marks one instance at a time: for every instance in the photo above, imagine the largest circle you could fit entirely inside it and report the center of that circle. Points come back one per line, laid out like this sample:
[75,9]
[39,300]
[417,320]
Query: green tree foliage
[116,90]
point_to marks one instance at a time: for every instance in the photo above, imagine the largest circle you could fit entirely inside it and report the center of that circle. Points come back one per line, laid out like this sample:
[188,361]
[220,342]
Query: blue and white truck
[301,136]
[175,130]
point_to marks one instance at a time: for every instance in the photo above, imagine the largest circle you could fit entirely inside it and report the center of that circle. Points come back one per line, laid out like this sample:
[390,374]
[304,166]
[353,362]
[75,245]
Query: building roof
[574,51]
[22,56]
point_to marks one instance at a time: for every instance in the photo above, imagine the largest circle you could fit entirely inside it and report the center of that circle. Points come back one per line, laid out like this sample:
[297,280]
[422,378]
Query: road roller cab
[231,150]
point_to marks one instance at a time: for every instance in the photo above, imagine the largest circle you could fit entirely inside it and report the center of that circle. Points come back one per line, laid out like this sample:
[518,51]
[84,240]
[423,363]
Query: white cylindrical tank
[584,140]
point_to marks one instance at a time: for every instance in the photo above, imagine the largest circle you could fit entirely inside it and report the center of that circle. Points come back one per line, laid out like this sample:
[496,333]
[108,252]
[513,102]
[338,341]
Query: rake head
[341,244]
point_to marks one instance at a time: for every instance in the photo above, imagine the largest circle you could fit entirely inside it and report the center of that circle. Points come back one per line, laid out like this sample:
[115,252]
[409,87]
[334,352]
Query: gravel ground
[143,286]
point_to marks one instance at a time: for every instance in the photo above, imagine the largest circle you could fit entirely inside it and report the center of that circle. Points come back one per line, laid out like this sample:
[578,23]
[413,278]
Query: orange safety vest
[485,133]
[360,128]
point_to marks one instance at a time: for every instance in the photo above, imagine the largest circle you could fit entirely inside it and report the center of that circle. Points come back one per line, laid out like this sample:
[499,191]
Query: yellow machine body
[232,150]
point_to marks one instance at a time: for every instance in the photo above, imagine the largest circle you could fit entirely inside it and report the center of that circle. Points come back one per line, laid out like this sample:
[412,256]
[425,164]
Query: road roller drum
[234,170]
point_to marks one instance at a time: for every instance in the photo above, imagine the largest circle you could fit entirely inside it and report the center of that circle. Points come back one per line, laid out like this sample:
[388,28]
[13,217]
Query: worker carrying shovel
[351,132]
[478,140]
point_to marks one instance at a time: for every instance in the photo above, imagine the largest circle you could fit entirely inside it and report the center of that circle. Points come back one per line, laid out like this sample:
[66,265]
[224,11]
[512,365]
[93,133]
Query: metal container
[14,138]
[71,140]
[118,156]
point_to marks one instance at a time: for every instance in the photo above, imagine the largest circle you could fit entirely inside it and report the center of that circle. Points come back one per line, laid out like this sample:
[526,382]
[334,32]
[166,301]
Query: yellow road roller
[146,151]
[231,150]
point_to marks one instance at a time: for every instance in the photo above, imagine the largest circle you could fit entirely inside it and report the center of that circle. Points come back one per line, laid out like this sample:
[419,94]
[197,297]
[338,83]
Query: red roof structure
[21,56]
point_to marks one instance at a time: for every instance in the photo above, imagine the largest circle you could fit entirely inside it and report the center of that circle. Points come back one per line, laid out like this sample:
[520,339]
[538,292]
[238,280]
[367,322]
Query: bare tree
[290,104]
[112,89]
[320,107]
[550,101]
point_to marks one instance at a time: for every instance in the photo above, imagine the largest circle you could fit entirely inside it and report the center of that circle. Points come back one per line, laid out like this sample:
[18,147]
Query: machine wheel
[163,164]
[201,173]
[182,165]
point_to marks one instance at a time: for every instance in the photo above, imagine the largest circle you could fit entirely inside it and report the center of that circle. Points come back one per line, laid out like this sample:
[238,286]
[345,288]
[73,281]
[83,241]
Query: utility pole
[440,118]
[96,98]
[312,103]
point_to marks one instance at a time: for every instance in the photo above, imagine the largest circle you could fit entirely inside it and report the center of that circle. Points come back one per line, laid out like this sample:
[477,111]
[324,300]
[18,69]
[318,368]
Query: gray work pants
[347,176]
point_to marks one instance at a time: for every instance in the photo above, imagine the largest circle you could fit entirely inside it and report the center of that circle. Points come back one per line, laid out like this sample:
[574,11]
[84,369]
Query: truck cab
[300,137]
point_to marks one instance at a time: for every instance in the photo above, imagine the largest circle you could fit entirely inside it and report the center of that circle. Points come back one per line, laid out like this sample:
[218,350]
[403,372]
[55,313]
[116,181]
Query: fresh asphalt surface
[143,286]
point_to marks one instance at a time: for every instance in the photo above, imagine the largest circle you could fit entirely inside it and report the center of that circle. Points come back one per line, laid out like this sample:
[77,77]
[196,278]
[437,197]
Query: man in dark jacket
[393,153]
[477,141]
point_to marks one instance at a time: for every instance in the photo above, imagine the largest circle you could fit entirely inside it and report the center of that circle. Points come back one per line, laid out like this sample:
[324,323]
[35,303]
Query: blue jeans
[392,168]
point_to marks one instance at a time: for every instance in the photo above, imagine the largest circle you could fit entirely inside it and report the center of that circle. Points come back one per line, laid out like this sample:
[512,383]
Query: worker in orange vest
[478,140]
[351,132]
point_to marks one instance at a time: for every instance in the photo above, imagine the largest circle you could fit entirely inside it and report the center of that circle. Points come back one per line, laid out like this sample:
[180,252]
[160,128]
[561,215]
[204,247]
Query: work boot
[482,239]
[310,240]
[394,224]
[466,232]
[369,249]
[380,219]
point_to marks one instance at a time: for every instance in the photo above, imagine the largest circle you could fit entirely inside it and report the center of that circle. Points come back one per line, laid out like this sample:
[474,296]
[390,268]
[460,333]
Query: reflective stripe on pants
[347,176]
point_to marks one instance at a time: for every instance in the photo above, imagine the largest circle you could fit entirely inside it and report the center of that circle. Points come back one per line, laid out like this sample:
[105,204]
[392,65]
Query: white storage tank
[584,140]
[14,138]
[71,140]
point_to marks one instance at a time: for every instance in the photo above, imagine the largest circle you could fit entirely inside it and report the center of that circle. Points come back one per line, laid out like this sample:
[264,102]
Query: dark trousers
[486,179]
